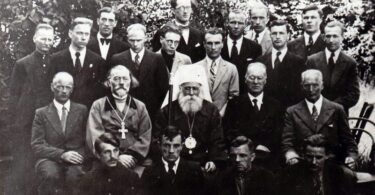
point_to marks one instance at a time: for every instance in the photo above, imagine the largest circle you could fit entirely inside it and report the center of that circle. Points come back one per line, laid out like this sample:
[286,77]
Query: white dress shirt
[281,56]
[81,56]
[260,36]
[259,99]
[318,105]
[328,55]
[59,107]
[104,48]
[175,166]
[314,37]
[141,54]
[184,31]
[230,45]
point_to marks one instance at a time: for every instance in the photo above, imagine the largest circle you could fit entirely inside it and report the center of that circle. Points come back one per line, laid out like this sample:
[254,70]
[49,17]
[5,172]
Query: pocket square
[91,65]
[330,125]
[197,45]
[249,59]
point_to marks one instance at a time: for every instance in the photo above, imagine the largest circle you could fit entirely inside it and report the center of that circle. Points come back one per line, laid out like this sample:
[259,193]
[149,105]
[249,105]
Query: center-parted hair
[242,140]
[107,138]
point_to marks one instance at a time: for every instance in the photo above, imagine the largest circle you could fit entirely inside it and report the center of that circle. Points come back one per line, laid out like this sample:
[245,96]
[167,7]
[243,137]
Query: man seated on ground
[110,177]
[171,174]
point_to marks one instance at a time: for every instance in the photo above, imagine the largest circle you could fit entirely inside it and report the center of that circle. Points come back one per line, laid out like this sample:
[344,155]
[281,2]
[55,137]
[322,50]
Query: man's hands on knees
[72,157]
[127,160]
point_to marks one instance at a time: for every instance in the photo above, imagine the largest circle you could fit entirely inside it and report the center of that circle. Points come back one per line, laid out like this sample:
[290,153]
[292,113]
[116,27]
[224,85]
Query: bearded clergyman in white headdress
[197,118]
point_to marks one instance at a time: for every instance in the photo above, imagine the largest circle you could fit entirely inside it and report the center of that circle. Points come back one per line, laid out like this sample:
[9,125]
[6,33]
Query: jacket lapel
[54,119]
[325,114]
[143,69]
[71,119]
[305,115]
[221,70]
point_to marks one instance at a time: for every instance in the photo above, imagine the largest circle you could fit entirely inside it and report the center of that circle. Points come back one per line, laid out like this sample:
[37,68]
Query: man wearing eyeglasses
[191,41]
[170,38]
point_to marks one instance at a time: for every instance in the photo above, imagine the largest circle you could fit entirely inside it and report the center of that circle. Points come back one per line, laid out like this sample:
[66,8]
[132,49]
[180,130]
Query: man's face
[120,81]
[136,39]
[62,89]
[191,89]
[171,149]
[43,40]
[189,99]
[80,35]
[170,42]
[183,11]
[106,23]
[236,25]
[312,87]
[259,19]
[213,45]
[315,157]
[311,21]
[256,80]
[241,157]
[279,36]
[109,154]
[333,38]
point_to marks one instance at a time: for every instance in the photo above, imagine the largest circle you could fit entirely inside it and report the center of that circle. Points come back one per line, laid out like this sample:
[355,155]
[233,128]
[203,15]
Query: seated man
[110,177]
[124,117]
[171,174]
[58,139]
[316,175]
[243,178]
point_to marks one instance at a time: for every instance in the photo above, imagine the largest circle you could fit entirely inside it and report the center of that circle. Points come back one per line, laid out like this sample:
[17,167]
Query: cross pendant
[123,130]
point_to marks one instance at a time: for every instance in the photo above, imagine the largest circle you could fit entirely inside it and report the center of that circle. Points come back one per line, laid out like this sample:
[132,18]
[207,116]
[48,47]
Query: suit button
[109,180]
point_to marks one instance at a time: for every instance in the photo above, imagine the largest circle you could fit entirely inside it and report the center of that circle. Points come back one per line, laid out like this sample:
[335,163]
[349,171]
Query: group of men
[244,107]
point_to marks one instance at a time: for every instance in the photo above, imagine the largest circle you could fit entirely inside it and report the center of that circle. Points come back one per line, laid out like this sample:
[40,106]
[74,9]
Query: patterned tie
[171,172]
[311,43]
[314,113]
[255,102]
[77,64]
[234,52]
[213,74]
[277,60]
[64,115]
[256,37]
[137,59]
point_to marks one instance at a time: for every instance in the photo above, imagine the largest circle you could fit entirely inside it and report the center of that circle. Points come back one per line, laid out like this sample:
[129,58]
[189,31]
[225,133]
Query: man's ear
[106,84]
[52,87]
[252,157]
[70,33]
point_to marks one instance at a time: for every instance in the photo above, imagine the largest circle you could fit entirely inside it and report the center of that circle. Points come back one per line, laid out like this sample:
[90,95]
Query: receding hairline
[256,65]
[312,73]
[118,67]
[62,76]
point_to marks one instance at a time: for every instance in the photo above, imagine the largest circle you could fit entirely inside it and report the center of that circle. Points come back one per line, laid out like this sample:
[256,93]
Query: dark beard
[190,104]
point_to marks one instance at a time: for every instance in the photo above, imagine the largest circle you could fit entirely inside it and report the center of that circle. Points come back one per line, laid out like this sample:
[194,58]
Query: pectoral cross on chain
[123,130]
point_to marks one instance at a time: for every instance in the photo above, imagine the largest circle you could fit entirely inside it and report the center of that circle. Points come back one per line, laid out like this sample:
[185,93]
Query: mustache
[190,104]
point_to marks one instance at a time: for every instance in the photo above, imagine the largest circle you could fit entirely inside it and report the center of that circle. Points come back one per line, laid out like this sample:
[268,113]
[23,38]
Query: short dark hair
[106,10]
[280,23]
[317,140]
[170,132]
[214,31]
[174,3]
[312,7]
[242,140]
[107,138]
[169,28]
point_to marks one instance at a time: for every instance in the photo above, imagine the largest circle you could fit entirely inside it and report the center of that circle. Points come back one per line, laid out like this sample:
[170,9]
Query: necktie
[64,115]
[255,102]
[317,186]
[331,62]
[77,64]
[256,37]
[104,40]
[314,113]
[240,181]
[213,74]
[311,43]
[234,52]
[171,172]
[136,59]
[277,60]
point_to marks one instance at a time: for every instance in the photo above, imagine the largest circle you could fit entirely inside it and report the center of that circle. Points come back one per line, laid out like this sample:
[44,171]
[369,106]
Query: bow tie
[107,41]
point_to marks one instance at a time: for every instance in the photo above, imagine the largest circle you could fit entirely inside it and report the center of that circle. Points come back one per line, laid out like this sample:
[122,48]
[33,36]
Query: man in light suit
[237,49]
[222,75]
[104,43]
[87,67]
[191,41]
[259,17]
[317,115]
[170,36]
[339,70]
[58,139]
[311,41]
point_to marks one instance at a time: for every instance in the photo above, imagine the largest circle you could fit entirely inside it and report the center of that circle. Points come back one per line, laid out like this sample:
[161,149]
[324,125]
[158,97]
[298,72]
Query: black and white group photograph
[187,97]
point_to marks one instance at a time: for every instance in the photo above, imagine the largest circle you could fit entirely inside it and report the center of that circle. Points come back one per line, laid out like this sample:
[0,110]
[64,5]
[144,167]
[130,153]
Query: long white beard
[190,104]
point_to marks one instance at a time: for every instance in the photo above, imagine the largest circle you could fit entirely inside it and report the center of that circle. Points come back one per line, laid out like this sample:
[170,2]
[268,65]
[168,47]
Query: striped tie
[213,74]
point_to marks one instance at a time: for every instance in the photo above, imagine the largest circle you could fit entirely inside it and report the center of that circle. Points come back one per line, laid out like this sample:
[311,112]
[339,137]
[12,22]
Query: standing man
[191,41]
[29,90]
[311,41]
[222,75]
[58,139]
[104,43]
[259,17]
[238,50]
[147,67]
[339,70]
[283,67]
[87,68]
[170,38]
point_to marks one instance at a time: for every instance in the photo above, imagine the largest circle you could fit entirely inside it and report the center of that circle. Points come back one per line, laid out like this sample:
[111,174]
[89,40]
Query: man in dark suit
[29,90]
[317,115]
[283,67]
[243,178]
[237,49]
[311,41]
[339,70]
[147,67]
[104,43]
[257,116]
[58,139]
[87,68]
[171,174]
[191,42]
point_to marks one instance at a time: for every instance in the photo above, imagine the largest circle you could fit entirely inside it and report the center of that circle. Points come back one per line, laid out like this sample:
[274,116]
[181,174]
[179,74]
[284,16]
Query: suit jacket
[266,41]
[298,47]
[226,83]
[88,82]
[115,46]
[249,52]
[332,123]
[48,139]
[283,82]
[178,60]
[152,76]
[341,85]
[194,48]
[188,179]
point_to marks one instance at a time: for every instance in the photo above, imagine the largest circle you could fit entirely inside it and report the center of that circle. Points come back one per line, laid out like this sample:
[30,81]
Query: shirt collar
[260,35]
[99,36]
[183,25]
[175,166]
[328,54]
[238,42]
[209,60]
[141,53]
[318,104]
[59,105]
[259,98]
[73,53]
[314,37]
[282,55]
